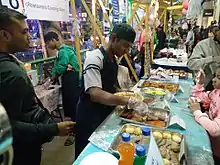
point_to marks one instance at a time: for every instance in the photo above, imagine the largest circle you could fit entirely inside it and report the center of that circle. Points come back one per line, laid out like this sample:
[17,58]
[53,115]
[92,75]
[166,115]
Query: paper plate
[99,158]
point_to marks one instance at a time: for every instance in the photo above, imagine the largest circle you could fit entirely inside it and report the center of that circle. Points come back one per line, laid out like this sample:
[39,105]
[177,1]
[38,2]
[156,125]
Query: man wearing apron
[97,99]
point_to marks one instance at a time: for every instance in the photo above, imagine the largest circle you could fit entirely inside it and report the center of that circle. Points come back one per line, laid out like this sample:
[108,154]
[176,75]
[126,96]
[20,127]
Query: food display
[181,73]
[155,118]
[171,87]
[154,91]
[130,94]
[169,144]
[135,132]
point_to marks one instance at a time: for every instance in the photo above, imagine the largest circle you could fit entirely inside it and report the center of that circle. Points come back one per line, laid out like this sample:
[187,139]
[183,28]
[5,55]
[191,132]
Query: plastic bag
[195,9]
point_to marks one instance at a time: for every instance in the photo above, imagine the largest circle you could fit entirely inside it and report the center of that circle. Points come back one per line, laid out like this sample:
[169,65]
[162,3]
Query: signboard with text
[53,10]
[14,4]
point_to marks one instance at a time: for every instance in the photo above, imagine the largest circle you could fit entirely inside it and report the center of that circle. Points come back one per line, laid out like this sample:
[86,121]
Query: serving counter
[197,140]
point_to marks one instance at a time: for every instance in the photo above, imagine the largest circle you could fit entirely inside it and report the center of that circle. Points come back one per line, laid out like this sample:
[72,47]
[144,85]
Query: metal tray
[177,86]
[182,155]
[117,140]
[146,92]
[167,118]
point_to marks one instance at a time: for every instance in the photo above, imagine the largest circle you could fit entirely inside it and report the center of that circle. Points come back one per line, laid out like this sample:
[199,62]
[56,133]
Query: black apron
[70,93]
[90,114]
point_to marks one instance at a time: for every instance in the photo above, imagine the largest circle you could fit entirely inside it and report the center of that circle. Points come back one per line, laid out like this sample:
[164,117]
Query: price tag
[153,157]
[177,121]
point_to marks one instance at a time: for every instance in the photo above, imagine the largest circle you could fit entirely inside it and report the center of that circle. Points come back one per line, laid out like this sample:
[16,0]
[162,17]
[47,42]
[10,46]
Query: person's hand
[137,105]
[194,105]
[200,77]
[69,67]
[54,78]
[65,128]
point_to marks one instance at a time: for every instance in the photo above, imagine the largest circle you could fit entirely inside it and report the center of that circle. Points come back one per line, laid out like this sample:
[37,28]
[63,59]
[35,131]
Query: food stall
[197,148]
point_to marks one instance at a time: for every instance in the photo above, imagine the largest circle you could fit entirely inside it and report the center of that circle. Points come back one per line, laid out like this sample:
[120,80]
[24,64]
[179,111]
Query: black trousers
[216,160]
[27,155]
[70,93]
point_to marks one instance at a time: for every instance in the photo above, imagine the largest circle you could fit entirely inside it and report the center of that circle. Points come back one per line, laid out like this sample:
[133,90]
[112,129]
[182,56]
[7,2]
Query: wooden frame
[91,16]
[76,36]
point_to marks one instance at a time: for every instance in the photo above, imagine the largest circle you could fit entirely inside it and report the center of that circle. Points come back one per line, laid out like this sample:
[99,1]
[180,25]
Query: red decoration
[185,4]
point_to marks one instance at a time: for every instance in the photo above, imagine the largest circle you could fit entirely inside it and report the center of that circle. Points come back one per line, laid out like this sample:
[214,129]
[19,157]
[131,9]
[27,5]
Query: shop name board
[53,10]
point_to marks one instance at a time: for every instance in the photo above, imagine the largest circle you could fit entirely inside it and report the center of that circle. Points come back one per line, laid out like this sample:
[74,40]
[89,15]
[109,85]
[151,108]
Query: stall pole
[76,35]
[105,13]
[133,12]
[165,21]
[42,39]
[139,26]
[131,67]
[146,62]
[92,19]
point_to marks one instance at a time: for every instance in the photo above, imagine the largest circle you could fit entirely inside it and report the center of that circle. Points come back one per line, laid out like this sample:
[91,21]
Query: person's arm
[61,63]
[212,126]
[198,58]
[14,99]
[93,83]
[106,98]
[199,92]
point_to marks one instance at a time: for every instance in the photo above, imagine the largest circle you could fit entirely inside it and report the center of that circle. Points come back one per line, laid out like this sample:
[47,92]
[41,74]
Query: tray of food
[130,94]
[155,118]
[136,136]
[171,145]
[154,92]
[181,73]
[171,87]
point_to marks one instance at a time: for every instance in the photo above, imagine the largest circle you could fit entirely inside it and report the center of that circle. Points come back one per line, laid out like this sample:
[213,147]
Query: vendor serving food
[97,100]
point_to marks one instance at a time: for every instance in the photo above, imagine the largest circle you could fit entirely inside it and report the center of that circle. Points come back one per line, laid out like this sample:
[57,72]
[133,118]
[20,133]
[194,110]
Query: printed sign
[154,157]
[14,4]
[52,10]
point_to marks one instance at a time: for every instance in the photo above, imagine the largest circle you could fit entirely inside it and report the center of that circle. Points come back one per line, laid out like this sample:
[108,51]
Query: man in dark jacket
[31,125]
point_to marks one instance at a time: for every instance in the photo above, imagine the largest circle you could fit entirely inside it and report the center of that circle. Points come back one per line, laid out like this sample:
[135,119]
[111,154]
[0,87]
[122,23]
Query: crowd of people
[89,98]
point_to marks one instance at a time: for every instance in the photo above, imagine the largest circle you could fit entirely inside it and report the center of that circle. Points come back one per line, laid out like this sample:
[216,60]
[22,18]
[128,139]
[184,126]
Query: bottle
[126,150]
[140,155]
[145,137]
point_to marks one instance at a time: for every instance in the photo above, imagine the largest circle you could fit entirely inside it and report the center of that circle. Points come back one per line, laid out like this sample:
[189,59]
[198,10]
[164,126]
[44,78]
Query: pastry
[167,135]
[176,138]
[157,135]
[175,147]
[166,162]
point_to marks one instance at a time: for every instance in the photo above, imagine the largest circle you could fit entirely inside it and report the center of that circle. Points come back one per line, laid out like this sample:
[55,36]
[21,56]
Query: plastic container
[126,150]
[140,155]
[145,136]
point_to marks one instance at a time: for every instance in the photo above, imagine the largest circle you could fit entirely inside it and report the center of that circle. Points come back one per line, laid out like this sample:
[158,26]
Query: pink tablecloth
[49,98]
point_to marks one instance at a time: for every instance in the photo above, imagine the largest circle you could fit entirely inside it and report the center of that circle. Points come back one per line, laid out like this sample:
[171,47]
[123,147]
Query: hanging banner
[115,14]
[52,10]
[14,4]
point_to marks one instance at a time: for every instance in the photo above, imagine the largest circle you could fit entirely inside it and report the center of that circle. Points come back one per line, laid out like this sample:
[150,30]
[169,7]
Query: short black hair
[124,31]
[50,36]
[9,16]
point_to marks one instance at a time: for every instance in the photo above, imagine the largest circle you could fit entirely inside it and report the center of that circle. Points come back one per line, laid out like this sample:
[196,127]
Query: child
[211,120]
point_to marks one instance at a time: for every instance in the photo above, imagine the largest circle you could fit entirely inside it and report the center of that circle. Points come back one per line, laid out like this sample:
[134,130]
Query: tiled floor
[55,153]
